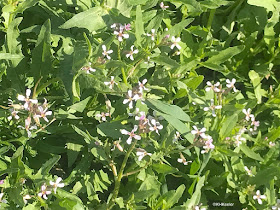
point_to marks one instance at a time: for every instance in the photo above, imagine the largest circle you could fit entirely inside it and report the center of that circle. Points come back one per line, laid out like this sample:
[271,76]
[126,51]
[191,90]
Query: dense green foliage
[137,104]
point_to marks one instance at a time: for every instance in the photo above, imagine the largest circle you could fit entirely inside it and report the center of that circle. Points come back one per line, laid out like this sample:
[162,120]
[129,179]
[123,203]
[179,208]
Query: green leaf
[274,134]
[250,153]
[155,22]
[139,27]
[270,5]
[256,81]
[111,129]
[91,19]
[194,82]
[171,200]
[80,106]
[264,176]
[166,61]
[224,55]
[9,56]
[227,125]
[196,195]
[163,168]
[177,29]
[41,55]
[47,166]
[172,110]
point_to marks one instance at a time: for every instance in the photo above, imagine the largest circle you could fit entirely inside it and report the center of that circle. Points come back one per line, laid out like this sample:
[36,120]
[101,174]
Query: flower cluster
[203,139]
[46,190]
[34,110]
[120,31]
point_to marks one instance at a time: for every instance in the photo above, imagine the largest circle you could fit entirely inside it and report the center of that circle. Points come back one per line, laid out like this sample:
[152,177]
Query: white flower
[130,54]
[120,34]
[152,35]
[130,99]
[239,140]
[175,42]
[248,114]
[142,117]
[259,197]
[155,126]
[44,192]
[131,134]
[106,53]
[103,116]
[208,145]
[255,123]
[162,6]
[271,144]
[43,113]
[56,184]
[183,160]
[200,132]
[212,107]
[111,83]
[27,100]
[25,198]
[13,114]
[277,207]
[213,87]
[230,84]
[88,68]
[142,85]
[249,172]
[142,153]
[176,136]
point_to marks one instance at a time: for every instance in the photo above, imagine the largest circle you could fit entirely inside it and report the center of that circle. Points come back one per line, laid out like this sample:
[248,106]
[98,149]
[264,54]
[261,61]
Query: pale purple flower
[111,83]
[13,114]
[127,27]
[2,181]
[142,85]
[208,145]
[130,53]
[155,126]
[183,160]
[106,53]
[259,197]
[230,84]
[162,6]
[130,99]
[255,123]
[248,114]
[212,107]
[198,132]
[25,198]
[142,117]
[131,134]
[43,113]
[88,68]
[141,153]
[44,192]
[120,34]
[103,116]
[239,140]
[213,87]
[27,99]
[175,42]
[152,35]
[56,184]
[271,144]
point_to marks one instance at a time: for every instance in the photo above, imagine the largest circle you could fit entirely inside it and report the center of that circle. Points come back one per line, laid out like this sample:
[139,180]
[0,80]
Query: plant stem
[120,176]
[122,68]
[210,20]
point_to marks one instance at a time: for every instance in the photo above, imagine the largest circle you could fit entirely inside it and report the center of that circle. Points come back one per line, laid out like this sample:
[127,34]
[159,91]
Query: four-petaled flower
[259,197]
[43,113]
[111,83]
[13,114]
[27,99]
[130,99]
[106,53]
[175,42]
[152,35]
[142,153]
[44,192]
[212,107]
[121,33]
[103,116]
[208,145]
[200,132]
[131,134]
[88,68]
[130,53]
[248,114]
[230,84]
[142,85]
[56,184]
[155,126]
[162,6]
[213,87]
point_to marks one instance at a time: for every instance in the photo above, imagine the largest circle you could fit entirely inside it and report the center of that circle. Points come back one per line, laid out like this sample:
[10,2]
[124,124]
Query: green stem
[122,68]
[120,176]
